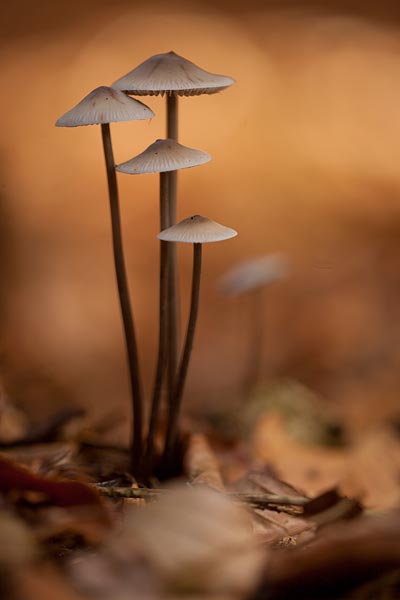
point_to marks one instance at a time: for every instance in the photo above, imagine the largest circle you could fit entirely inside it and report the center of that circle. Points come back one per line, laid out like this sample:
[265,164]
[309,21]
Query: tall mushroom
[103,106]
[174,76]
[162,157]
[196,230]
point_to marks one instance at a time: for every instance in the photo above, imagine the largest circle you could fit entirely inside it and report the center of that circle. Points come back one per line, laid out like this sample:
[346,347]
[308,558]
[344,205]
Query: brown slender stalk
[173,326]
[172,116]
[172,426]
[163,318]
[125,305]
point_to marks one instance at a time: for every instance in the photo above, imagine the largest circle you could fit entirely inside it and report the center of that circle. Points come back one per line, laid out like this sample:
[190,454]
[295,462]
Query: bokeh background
[305,151]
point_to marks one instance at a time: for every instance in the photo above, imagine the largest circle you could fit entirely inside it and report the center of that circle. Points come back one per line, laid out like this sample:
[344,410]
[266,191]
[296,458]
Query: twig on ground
[257,500]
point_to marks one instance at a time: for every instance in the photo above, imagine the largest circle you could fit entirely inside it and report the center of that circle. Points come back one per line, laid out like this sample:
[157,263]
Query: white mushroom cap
[105,105]
[197,230]
[255,273]
[172,74]
[162,156]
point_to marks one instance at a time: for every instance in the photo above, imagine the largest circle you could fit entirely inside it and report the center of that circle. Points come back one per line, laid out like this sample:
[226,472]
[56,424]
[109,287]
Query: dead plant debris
[75,525]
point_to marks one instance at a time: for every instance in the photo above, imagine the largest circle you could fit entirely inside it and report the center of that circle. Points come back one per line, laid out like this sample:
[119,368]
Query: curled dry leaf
[49,459]
[265,479]
[270,525]
[305,515]
[63,514]
[197,540]
[201,464]
[15,478]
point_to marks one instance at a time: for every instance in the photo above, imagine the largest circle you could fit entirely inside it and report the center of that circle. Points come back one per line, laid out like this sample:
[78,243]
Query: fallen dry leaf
[310,468]
[341,558]
[201,464]
[368,469]
[54,458]
[62,515]
[15,478]
[373,470]
[272,527]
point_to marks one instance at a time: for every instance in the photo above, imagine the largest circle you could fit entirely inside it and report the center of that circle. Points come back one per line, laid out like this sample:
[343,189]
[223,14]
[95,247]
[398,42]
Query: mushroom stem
[173,326]
[256,335]
[163,317]
[123,291]
[172,426]
[172,116]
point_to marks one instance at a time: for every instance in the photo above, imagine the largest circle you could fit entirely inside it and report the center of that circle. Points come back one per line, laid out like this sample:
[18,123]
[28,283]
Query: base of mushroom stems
[159,468]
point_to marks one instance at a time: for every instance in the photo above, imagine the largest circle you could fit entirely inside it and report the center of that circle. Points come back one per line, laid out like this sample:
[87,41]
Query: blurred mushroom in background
[250,278]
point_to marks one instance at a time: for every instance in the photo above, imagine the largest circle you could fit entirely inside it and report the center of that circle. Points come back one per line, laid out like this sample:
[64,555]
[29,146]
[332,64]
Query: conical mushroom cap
[197,230]
[172,74]
[105,105]
[162,156]
[254,274]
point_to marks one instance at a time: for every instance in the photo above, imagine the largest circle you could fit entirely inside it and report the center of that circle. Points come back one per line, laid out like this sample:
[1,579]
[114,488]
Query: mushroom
[251,277]
[171,74]
[103,106]
[196,230]
[162,157]
[174,76]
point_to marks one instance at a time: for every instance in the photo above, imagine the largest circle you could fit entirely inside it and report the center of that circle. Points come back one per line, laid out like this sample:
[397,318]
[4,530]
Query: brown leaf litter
[76,526]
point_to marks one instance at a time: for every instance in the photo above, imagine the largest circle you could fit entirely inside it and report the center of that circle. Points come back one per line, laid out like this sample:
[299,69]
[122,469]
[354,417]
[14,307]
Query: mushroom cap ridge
[197,230]
[172,74]
[105,105]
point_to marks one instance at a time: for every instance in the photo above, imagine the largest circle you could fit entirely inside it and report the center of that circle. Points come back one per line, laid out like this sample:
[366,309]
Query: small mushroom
[253,274]
[196,230]
[250,278]
[103,106]
[161,157]
[171,75]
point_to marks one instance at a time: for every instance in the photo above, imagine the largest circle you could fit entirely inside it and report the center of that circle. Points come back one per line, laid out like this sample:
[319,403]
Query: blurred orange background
[305,154]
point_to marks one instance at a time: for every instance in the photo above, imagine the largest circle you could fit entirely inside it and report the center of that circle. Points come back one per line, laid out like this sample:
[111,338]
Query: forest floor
[280,503]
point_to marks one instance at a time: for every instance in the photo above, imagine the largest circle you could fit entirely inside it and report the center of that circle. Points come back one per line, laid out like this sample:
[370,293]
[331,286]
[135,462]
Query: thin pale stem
[125,305]
[172,427]
[163,318]
[173,308]
[256,336]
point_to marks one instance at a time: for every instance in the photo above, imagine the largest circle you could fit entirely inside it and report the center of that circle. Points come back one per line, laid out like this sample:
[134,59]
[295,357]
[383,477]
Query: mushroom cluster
[171,75]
